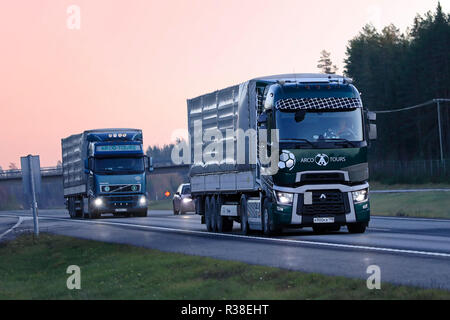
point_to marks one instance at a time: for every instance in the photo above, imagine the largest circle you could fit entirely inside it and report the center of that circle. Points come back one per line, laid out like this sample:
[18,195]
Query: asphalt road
[409,251]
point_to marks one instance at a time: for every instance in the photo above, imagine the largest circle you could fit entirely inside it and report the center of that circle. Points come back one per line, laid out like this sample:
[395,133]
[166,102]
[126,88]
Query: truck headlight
[284,198]
[360,195]
[187,200]
[142,200]
[98,202]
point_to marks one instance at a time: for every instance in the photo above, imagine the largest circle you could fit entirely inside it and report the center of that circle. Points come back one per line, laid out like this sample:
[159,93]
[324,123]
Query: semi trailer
[314,130]
[104,171]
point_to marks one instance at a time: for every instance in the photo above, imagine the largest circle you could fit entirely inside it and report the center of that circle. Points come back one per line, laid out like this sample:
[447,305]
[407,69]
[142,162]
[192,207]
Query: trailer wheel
[359,227]
[217,217]
[208,220]
[244,216]
[213,212]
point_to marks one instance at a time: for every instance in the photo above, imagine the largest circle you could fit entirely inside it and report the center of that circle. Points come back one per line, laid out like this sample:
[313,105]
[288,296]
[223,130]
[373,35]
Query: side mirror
[262,119]
[372,117]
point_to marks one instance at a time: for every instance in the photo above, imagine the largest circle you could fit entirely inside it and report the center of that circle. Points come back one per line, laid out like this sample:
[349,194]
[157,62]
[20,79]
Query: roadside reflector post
[31,180]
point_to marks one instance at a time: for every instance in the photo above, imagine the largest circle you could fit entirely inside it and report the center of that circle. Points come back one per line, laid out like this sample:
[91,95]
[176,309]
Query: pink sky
[134,63]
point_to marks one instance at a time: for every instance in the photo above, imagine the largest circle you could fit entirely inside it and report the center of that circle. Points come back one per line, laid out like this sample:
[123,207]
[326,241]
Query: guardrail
[55,171]
[17,173]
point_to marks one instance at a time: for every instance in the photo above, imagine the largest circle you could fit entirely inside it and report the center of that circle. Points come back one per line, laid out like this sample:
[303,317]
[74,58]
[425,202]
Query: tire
[208,218]
[244,216]
[212,210]
[175,212]
[359,227]
[267,224]
[71,208]
[217,217]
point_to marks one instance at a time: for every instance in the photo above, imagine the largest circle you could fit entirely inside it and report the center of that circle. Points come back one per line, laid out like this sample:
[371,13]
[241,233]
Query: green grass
[417,204]
[165,204]
[36,269]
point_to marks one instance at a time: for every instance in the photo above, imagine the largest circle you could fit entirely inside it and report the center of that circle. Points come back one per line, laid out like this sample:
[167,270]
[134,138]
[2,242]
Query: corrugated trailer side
[232,108]
[73,155]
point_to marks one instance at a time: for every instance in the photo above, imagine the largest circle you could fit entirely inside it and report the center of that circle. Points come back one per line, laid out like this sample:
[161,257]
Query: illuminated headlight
[142,201]
[98,202]
[360,195]
[284,197]
[186,200]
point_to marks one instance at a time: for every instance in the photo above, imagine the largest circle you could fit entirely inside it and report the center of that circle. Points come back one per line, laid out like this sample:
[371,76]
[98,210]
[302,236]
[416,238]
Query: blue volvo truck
[104,171]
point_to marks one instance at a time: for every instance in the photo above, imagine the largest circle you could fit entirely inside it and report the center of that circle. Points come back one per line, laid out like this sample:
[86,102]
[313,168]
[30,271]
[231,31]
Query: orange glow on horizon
[134,63]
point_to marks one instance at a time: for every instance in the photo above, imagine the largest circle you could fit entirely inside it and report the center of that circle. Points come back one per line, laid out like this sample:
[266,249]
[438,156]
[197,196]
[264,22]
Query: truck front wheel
[244,216]
[359,227]
[268,226]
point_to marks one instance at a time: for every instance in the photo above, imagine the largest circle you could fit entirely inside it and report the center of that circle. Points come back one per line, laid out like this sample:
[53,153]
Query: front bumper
[336,202]
[124,203]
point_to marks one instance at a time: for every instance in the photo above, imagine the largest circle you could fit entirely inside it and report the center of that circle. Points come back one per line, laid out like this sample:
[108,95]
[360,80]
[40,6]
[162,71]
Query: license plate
[121,210]
[324,220]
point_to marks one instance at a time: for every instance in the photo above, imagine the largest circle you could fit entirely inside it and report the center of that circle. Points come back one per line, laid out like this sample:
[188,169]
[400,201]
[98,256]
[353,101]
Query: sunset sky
[134,63]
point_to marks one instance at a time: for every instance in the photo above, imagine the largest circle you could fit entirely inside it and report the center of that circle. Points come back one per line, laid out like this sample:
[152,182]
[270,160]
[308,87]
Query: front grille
[121,188]
[325,202]
[327,197]
[321,177]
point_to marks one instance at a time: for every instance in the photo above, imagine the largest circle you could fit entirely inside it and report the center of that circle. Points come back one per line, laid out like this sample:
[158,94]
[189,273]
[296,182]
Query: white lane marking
[227,235]
[21,219]
[375,217]
[379,229]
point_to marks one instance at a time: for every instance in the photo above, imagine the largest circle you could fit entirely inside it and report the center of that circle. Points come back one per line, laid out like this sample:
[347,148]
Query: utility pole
[440,129]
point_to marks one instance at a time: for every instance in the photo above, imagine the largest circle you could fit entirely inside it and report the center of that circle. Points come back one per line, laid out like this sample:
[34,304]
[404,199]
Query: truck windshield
[316,126]
[123,165]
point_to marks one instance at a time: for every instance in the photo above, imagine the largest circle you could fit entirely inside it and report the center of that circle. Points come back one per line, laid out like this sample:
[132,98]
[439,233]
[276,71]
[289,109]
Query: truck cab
[113,177]
[322,177]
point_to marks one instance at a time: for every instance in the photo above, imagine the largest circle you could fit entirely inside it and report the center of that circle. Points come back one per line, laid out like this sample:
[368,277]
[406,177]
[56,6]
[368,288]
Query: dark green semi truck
[285,151]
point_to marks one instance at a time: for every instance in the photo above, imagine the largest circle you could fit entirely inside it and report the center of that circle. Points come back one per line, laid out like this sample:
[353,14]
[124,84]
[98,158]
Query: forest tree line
[395,70]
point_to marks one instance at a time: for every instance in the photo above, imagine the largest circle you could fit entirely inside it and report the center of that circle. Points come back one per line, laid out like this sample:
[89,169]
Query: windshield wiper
[340,140]
[297,140]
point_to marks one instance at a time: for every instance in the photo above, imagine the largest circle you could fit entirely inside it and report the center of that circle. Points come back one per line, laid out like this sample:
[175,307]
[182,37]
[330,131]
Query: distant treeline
[394,70]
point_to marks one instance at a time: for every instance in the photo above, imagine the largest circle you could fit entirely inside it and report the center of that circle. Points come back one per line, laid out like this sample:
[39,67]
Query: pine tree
[325,63]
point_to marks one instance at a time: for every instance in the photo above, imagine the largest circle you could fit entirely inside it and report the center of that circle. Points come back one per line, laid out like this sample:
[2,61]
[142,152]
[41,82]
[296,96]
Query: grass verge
[36,269]
[165,204]
[417,204]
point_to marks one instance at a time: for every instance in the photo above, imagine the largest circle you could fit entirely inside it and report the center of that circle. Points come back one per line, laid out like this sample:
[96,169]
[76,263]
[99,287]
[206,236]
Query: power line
[414,107]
